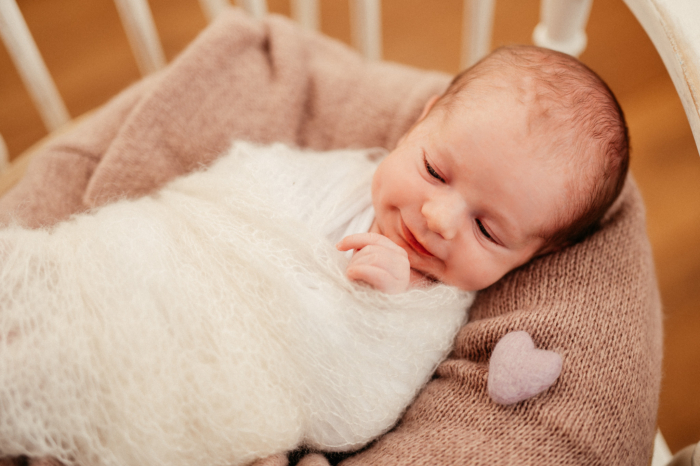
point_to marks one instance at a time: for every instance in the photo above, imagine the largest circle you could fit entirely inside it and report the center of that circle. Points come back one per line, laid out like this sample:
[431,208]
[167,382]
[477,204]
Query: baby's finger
[360,240]
[377,278]
[381,257]
[371,260]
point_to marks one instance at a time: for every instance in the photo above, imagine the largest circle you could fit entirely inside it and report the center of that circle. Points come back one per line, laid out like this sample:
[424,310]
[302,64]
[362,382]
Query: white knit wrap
[211,323]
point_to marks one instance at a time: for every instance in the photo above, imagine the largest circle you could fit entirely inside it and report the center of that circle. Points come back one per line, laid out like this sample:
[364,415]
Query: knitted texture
[595,303]
[207,324]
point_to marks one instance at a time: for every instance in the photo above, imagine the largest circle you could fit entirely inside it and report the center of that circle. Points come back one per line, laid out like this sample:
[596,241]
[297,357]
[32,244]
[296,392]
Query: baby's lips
[413,242]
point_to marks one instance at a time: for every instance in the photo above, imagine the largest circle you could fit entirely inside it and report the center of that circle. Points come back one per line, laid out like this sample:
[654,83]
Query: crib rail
[672,27]
[562,27]
[365,16]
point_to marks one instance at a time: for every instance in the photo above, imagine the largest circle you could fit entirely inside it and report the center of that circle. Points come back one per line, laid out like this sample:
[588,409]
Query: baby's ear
[426,109]
[428,106]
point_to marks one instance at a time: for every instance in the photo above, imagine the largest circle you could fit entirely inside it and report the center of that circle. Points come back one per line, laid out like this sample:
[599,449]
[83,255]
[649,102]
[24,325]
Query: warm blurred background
[87,53]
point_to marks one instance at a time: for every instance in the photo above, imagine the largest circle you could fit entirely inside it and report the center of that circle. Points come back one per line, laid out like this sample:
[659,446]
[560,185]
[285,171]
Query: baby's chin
[420,279]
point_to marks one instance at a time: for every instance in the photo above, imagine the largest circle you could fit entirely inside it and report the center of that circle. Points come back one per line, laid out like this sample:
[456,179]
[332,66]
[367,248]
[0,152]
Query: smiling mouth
[413,242]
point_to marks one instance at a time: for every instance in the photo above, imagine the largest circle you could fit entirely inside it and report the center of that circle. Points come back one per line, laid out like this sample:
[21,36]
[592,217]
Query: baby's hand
[377,261]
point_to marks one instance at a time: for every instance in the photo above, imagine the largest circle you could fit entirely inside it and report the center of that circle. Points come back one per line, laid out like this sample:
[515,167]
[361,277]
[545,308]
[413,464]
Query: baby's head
[521,156]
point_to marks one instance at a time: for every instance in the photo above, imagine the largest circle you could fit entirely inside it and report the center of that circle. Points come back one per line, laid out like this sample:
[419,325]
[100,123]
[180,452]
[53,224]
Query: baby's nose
[444,214]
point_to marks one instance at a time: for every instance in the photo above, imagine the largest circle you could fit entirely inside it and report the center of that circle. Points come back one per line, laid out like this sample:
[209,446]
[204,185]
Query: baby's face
[465,195]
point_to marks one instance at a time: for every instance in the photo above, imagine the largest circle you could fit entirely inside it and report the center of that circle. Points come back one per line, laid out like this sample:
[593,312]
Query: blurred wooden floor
[86,51]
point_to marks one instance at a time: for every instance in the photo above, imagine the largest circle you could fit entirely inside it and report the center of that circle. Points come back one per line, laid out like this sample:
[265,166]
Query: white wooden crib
[670,24]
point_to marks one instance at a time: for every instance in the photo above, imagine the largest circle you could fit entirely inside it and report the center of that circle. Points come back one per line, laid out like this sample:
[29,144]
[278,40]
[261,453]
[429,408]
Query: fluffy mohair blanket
[210,323]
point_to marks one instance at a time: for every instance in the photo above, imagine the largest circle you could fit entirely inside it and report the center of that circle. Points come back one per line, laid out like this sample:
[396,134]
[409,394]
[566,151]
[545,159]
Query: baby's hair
[593,137]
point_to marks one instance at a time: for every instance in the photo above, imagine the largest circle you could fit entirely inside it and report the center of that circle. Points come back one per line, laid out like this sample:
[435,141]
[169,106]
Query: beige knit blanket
[595,303]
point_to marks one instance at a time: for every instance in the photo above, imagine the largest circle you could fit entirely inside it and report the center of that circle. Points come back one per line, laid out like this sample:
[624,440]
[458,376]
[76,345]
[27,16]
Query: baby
[214,323]
[521,156]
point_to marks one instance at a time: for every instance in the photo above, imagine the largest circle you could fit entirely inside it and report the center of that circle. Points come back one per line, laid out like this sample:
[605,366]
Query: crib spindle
[306,13]
[256,8]
[141,32]
[212,8]
[31,66]
[4,154]
[661,454]
[562,25]
[366,26]
[476,30]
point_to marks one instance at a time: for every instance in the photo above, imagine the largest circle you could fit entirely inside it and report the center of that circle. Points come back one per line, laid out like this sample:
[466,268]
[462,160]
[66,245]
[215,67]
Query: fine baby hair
[575,115]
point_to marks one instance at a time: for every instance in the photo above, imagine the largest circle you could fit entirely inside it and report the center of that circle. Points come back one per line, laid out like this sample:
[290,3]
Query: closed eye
[484,231]
[431,171]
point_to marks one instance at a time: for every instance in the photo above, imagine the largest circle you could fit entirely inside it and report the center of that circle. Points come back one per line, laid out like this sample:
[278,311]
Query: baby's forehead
[519,111]
[548,120]
[518,90]
[540,144]
[540,92]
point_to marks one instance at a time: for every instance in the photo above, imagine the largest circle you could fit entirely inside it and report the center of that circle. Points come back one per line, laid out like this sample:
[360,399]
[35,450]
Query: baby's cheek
[476,275]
